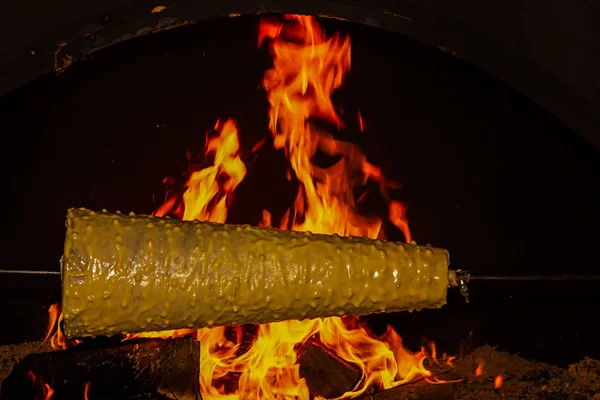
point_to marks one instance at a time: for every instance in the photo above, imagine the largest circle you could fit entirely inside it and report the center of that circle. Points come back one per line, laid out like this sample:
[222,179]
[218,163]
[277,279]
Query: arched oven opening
[397,140]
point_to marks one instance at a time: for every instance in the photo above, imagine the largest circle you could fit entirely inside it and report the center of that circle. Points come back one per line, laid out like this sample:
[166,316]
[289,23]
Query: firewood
[146,369]
[180,380]
[418,390]
[325,375]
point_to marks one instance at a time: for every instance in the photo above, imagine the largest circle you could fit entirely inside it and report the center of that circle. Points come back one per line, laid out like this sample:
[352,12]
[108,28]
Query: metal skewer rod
[470,277]
[25,272]
[461,278]
[534,278]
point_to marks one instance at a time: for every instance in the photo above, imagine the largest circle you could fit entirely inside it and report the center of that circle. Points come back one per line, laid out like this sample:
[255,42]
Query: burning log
[167,369]
[180,380]
[149,369]
[326,376]
[138,273]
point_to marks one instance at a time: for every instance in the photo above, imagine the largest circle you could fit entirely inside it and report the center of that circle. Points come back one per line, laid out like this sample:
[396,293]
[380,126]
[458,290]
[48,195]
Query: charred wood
[325,375]
[146,369]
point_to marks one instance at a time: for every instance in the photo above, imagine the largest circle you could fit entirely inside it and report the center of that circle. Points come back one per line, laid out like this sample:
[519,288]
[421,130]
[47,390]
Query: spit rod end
[460,278]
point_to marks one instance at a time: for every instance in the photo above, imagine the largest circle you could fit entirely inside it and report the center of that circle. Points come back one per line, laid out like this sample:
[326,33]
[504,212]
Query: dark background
[487,174]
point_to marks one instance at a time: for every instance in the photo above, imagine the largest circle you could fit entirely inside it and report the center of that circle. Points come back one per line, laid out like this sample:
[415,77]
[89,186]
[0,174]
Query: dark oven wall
[548,50]
[486,173]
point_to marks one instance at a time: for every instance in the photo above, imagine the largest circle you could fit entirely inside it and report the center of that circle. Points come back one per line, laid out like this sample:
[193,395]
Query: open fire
[262,362]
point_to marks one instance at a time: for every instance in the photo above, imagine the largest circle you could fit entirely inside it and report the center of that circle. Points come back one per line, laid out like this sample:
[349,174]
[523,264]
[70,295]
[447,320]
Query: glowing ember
[361,123]
[479,370]
[170,334]
[498,382]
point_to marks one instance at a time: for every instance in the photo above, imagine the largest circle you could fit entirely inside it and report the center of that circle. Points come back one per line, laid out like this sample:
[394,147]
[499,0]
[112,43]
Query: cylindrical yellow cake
[129,273]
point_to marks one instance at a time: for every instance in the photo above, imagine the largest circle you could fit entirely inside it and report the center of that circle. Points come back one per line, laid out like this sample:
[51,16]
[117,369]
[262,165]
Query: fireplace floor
[475,376]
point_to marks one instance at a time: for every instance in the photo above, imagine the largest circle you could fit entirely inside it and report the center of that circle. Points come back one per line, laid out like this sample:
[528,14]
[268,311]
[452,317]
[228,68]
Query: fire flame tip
[54,335]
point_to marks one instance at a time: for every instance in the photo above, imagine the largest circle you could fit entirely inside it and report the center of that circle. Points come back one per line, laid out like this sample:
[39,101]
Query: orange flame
[54,335]
[266,219]
[449,360]
[498,382]
[45,390]
[308,67]
[384,361]
[49,391]
[210,190]
[267,370]
[86,390]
